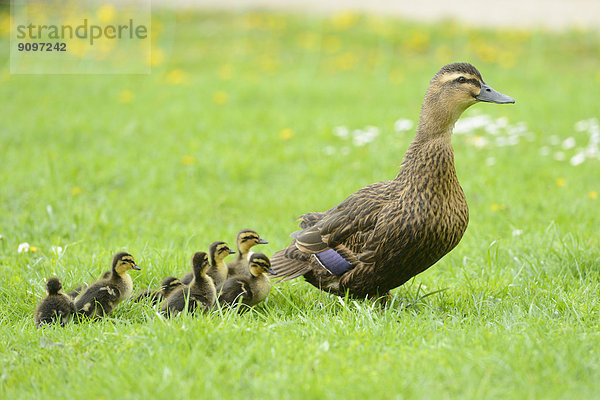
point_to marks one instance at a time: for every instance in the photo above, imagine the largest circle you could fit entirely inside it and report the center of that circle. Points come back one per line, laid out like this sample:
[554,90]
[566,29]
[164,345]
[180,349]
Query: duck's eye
[462,79]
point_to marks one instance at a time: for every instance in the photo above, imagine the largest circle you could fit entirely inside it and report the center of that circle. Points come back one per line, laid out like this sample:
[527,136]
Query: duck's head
[259,264]
[123,262]
[53,286]
[453,89]
[169,284]
[247,238]
[218,251]
[200,263]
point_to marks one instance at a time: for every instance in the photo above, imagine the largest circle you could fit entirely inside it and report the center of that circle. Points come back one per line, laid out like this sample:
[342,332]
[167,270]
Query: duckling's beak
[135,266]
[492,96]
[231,251]
[262,241]
[272,271]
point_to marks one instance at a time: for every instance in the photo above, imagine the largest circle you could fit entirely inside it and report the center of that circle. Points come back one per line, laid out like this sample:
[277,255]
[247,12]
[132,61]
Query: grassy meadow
[248,121]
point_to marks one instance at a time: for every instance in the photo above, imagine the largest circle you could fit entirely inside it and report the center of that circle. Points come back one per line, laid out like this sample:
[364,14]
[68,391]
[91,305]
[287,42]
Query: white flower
[544,151]
[469,124]
[329,150]
[568,143]
[577,159]
[23,247]
[490,161]
[583,125]
[57,250]
[517,232]
[559,156]
[403,125]
[554,140]
[341,131]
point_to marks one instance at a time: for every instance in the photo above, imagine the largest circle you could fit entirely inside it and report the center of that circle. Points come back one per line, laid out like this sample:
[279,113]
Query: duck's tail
[287,266]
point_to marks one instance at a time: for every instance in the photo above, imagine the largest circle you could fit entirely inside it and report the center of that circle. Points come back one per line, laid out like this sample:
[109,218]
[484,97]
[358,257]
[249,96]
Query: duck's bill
[492,96]
[136,267]
[231,251]
[272,271]
[262,241]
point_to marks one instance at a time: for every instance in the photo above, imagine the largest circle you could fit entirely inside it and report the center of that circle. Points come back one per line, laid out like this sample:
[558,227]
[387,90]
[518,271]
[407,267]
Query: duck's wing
[234,290]
[100,294]
[344,228]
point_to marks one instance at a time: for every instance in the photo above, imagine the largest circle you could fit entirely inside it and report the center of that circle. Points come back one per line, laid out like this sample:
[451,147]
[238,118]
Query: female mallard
[388,232]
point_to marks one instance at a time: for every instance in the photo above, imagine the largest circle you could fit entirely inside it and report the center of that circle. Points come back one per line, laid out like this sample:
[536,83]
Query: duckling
[201,292]
[388,232]
[246,239]
[167,286]
[102,296]
[78,289]
[249,290]
[56,307]
[218,270]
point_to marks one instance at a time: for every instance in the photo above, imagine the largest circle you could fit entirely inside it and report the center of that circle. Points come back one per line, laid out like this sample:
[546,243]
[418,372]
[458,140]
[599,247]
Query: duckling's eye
[462,79]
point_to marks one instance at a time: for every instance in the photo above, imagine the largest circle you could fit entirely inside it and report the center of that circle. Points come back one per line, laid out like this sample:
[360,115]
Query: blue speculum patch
[333,262]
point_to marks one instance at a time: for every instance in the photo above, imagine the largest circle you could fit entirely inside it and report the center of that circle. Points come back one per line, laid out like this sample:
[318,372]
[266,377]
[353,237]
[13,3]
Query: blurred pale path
[552,14]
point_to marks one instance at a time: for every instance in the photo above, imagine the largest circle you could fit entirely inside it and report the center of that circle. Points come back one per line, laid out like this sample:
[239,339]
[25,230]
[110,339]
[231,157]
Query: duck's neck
[429,158]
[436,119]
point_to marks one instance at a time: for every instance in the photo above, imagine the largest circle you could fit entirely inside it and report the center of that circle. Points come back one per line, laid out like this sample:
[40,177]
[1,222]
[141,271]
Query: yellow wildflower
[4,24]
[560,182]
[155,57]
[345,61]
[332,44]
[126,96]
[106,13]
[286,134]
[177,77]
[188,160]
[76,191]
[308,40]
[418,41]
[220,97]
[225,72]
[593,195]
[344,20]
[497,207]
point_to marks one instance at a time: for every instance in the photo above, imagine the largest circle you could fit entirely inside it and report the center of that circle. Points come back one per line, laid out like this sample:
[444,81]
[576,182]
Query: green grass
[170,171]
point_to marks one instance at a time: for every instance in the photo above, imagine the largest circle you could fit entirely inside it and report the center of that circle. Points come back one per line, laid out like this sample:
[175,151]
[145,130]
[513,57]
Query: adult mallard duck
[387,232]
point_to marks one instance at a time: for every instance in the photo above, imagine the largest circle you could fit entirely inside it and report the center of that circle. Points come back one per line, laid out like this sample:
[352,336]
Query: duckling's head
[453,89]
[53,286]
[259,264]
[200,263]
[169,284]
[218,251]
[247,238]
[123,262]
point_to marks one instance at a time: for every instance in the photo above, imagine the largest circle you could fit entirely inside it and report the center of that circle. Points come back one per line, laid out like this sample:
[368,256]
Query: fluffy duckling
[246,239]
[385,233]
[78,289]
[249,290]
[167,286]
[102,296]
[201,292]
[56,307]
[217,252]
